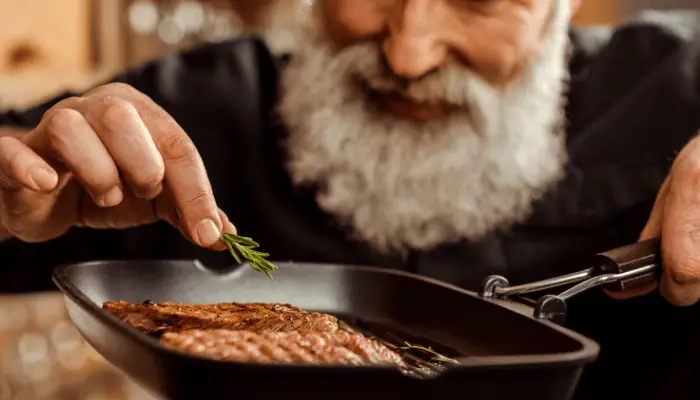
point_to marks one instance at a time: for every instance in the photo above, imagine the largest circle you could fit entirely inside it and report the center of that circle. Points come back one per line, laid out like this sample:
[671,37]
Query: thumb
[680,282]
[228,227]
[27,183]
[21,167]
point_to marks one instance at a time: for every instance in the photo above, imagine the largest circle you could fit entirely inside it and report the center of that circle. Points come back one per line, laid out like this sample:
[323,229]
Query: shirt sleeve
[202,89]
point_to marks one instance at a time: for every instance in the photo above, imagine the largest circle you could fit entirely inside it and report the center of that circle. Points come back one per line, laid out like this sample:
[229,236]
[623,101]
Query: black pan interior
[412,308]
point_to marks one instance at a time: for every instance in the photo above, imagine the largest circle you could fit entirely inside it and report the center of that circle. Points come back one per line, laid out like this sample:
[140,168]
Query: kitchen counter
[42,355]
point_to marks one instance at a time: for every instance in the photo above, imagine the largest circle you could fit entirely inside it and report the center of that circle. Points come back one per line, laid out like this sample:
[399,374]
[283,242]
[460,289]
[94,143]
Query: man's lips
[400,105]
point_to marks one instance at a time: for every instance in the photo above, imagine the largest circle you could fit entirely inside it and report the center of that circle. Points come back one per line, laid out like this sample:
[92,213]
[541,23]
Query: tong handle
[616,270]
[626,259]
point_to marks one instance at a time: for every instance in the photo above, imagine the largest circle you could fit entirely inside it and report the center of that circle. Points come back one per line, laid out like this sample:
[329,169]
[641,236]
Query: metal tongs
[616,270]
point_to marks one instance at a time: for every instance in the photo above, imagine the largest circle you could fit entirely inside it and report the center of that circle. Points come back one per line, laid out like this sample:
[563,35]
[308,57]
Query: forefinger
[185,173]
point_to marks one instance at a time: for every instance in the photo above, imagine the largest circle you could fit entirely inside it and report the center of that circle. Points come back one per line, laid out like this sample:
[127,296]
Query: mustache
[449,84]
[398,82]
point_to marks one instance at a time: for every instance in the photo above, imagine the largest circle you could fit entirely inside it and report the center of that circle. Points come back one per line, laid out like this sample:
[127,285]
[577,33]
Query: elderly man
[454,139]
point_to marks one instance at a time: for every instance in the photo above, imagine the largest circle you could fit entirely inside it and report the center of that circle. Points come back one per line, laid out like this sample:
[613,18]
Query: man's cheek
[348,22]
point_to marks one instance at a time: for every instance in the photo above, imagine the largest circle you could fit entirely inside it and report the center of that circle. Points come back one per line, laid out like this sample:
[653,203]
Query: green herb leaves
[437,357]
[243,248]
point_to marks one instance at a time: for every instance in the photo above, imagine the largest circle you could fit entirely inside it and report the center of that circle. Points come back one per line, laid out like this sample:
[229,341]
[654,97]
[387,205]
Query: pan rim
[586,354]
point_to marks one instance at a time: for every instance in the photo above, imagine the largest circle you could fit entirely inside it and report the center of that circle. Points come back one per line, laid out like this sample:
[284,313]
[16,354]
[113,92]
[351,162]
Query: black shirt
[633,103]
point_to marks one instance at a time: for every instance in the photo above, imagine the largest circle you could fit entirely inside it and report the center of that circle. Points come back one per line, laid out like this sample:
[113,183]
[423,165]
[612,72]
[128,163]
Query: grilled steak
[254,317]
[301,347]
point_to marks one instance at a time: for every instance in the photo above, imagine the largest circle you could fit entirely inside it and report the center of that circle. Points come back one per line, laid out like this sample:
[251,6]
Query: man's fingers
[166,211]
[129,142]
[189,184]
[227,228]
[23,209]
[27,182]
[76,145]
[680,247]
[20,166]
[680,292]
[139,211]
[185,174]
[25,212]
[148,150]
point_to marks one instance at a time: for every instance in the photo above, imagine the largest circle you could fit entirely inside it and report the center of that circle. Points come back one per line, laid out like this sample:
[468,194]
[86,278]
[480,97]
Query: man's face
[427,121]
[496,39]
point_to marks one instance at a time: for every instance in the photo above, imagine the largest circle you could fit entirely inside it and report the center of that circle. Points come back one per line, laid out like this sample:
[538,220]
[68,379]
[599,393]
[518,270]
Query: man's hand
[109,159]
[676,218]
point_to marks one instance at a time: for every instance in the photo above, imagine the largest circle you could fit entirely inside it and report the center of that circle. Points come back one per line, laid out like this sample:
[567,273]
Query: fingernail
[207,232]
[44,179]
[112,198]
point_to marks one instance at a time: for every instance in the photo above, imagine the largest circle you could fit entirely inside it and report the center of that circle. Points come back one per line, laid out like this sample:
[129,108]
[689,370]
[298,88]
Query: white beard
[400,184]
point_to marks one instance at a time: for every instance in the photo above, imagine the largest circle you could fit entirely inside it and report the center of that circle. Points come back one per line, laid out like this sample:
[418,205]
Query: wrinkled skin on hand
[111,158]
[676,219]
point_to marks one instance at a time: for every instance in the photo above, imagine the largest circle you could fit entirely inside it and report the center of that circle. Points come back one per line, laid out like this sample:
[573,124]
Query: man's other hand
[676,218]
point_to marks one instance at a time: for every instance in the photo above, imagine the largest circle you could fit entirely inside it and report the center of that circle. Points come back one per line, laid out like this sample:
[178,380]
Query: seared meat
[255,317]
[301,347]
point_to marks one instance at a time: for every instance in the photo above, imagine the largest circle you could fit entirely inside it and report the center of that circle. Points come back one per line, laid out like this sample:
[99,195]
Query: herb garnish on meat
[437,357]
[243,248]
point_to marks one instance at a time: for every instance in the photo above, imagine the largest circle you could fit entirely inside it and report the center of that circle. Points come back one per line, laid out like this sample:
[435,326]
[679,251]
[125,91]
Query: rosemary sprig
[436,356]
[243,248]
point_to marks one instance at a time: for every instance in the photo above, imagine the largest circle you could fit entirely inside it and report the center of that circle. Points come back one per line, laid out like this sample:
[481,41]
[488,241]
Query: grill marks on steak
[254,333]
[300,347]
[156,319]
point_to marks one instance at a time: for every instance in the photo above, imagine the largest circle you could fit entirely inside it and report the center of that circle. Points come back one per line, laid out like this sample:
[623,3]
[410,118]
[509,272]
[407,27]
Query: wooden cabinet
[44,35]
[600,12]
[48,46]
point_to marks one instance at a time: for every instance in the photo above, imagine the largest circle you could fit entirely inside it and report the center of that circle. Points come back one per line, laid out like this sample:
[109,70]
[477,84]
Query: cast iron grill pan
[502,353]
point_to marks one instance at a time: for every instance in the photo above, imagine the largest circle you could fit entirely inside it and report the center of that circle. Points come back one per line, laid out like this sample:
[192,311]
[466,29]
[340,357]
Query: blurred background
[50,45]
[47,46]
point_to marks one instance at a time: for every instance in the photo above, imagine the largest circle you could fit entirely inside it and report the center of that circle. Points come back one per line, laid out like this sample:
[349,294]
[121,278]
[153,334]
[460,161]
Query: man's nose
[413,47]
